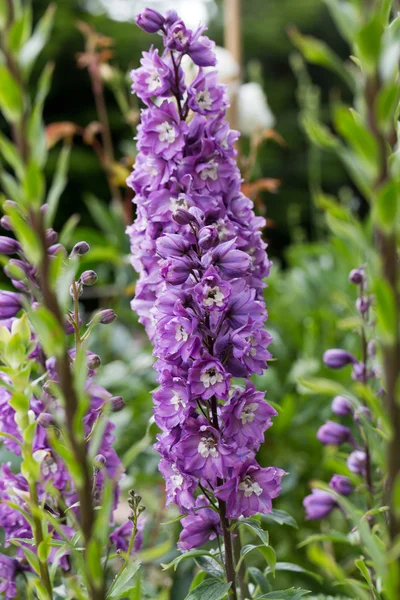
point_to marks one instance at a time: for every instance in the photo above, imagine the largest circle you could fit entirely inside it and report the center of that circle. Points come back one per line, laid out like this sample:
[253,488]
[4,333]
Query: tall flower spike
[197,246]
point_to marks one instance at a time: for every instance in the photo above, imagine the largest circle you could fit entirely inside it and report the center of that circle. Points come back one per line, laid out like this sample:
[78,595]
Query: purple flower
[9,245]
[318,504]
[208,378]
[150,20]
[341,485]
[172,402]
[205,96]
[9,568]
[10,304]
[121,536]
[176,270]
[249,347]
[341,406]
[231,262]
[180,487]
[247,416]
[161,131]
[201,50]
[153,78]
[251,490]
[212,293]
[357,462]
[337,358]
[199,527]
[202,451]
[334,434]
[356,276]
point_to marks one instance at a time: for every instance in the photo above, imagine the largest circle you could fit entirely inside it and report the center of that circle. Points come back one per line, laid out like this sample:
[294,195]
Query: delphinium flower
[359,462]
[55,488]
[197,246]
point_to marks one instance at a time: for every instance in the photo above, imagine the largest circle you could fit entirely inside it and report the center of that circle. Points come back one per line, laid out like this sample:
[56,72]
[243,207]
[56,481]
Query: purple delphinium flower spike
[196,244]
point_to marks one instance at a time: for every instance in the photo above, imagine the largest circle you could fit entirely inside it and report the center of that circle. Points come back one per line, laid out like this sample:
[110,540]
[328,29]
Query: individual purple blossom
[10,304]
[9,245]
[334,434]
[152,78]
[251,490]
[318,504]
[161,131]
[199,527]
[212,292]
[337,358]
[341,406]
[249,347]
[150,20]
[341,484]
[207,378]
[120,537]
[180,487]
[357,462]
[205,96]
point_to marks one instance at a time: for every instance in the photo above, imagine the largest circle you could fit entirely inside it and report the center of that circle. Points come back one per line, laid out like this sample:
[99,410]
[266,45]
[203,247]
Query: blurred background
[94,45]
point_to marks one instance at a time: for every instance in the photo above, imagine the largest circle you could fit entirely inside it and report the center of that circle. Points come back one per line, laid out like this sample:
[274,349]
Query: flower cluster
[197,246]
[320,503]
[55,488]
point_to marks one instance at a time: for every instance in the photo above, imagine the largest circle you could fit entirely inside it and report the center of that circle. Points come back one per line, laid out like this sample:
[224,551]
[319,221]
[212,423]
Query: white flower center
[247,414]
[179,202]
[214,296]
[203,100]
[251,340]
[181,334]
[150,169]
[211,377]
[250,487]
[210,172]
[46,461]
[177,401]
[177,481]
[166,133]
[153,81]
[208,447]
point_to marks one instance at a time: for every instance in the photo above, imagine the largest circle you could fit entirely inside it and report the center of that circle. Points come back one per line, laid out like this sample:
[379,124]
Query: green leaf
[33,184]
[386,206]
[352,128]
[386,105]
[289,594]
[209,565]
[37,42]
[346,17]
[368,41]
[58,184]
[190,554]
[287,566]
[123,582]
[10,154]
[385,309]
[255,528]
[93,562]
[319,134]
[259,579]
[210,589]
[322,386]
[267,552]
[197,579]
[20,31]
[281,517]
[11,102]
[362,567]
[50,333]
[336,537]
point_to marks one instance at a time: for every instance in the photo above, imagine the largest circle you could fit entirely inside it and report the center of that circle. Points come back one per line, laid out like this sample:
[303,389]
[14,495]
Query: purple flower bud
[357,462]
[362,304]
[207,237]
[10,304]
[100,462]
[88,278]
[318,504]
[80,249]
[10,204]
[5,222]
[334,434]
[106,316]
[359,372]
[176,271]
[51,236]
[337,358]
[93,361]
[341,485]
[55,249]
[341,406]
[183,217]
[150,20]
[117,403]
[356,276]
[172,245]
[9,245]
[45,420]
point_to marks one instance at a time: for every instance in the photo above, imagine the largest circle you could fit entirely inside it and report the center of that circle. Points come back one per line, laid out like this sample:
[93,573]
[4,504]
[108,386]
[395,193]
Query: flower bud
[207,237]
[80,249]
[9,245]
[357,462]
[337,358]
[106,316]
[318,504]
[117,403]
[51,236]
[5,222]
[334,434]
[10,304]
[341,406]
[49,388]
[362,304]
[183,217]
[55,249]
[99,462]
[45,420]
[176,271]
[93,361]
[16,269]
[356,276]
[88,278]
[10,204]
[150,20]
[341,485]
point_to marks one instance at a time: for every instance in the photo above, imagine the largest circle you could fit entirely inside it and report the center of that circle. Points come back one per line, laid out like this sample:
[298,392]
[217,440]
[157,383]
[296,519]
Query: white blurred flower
[254,112]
